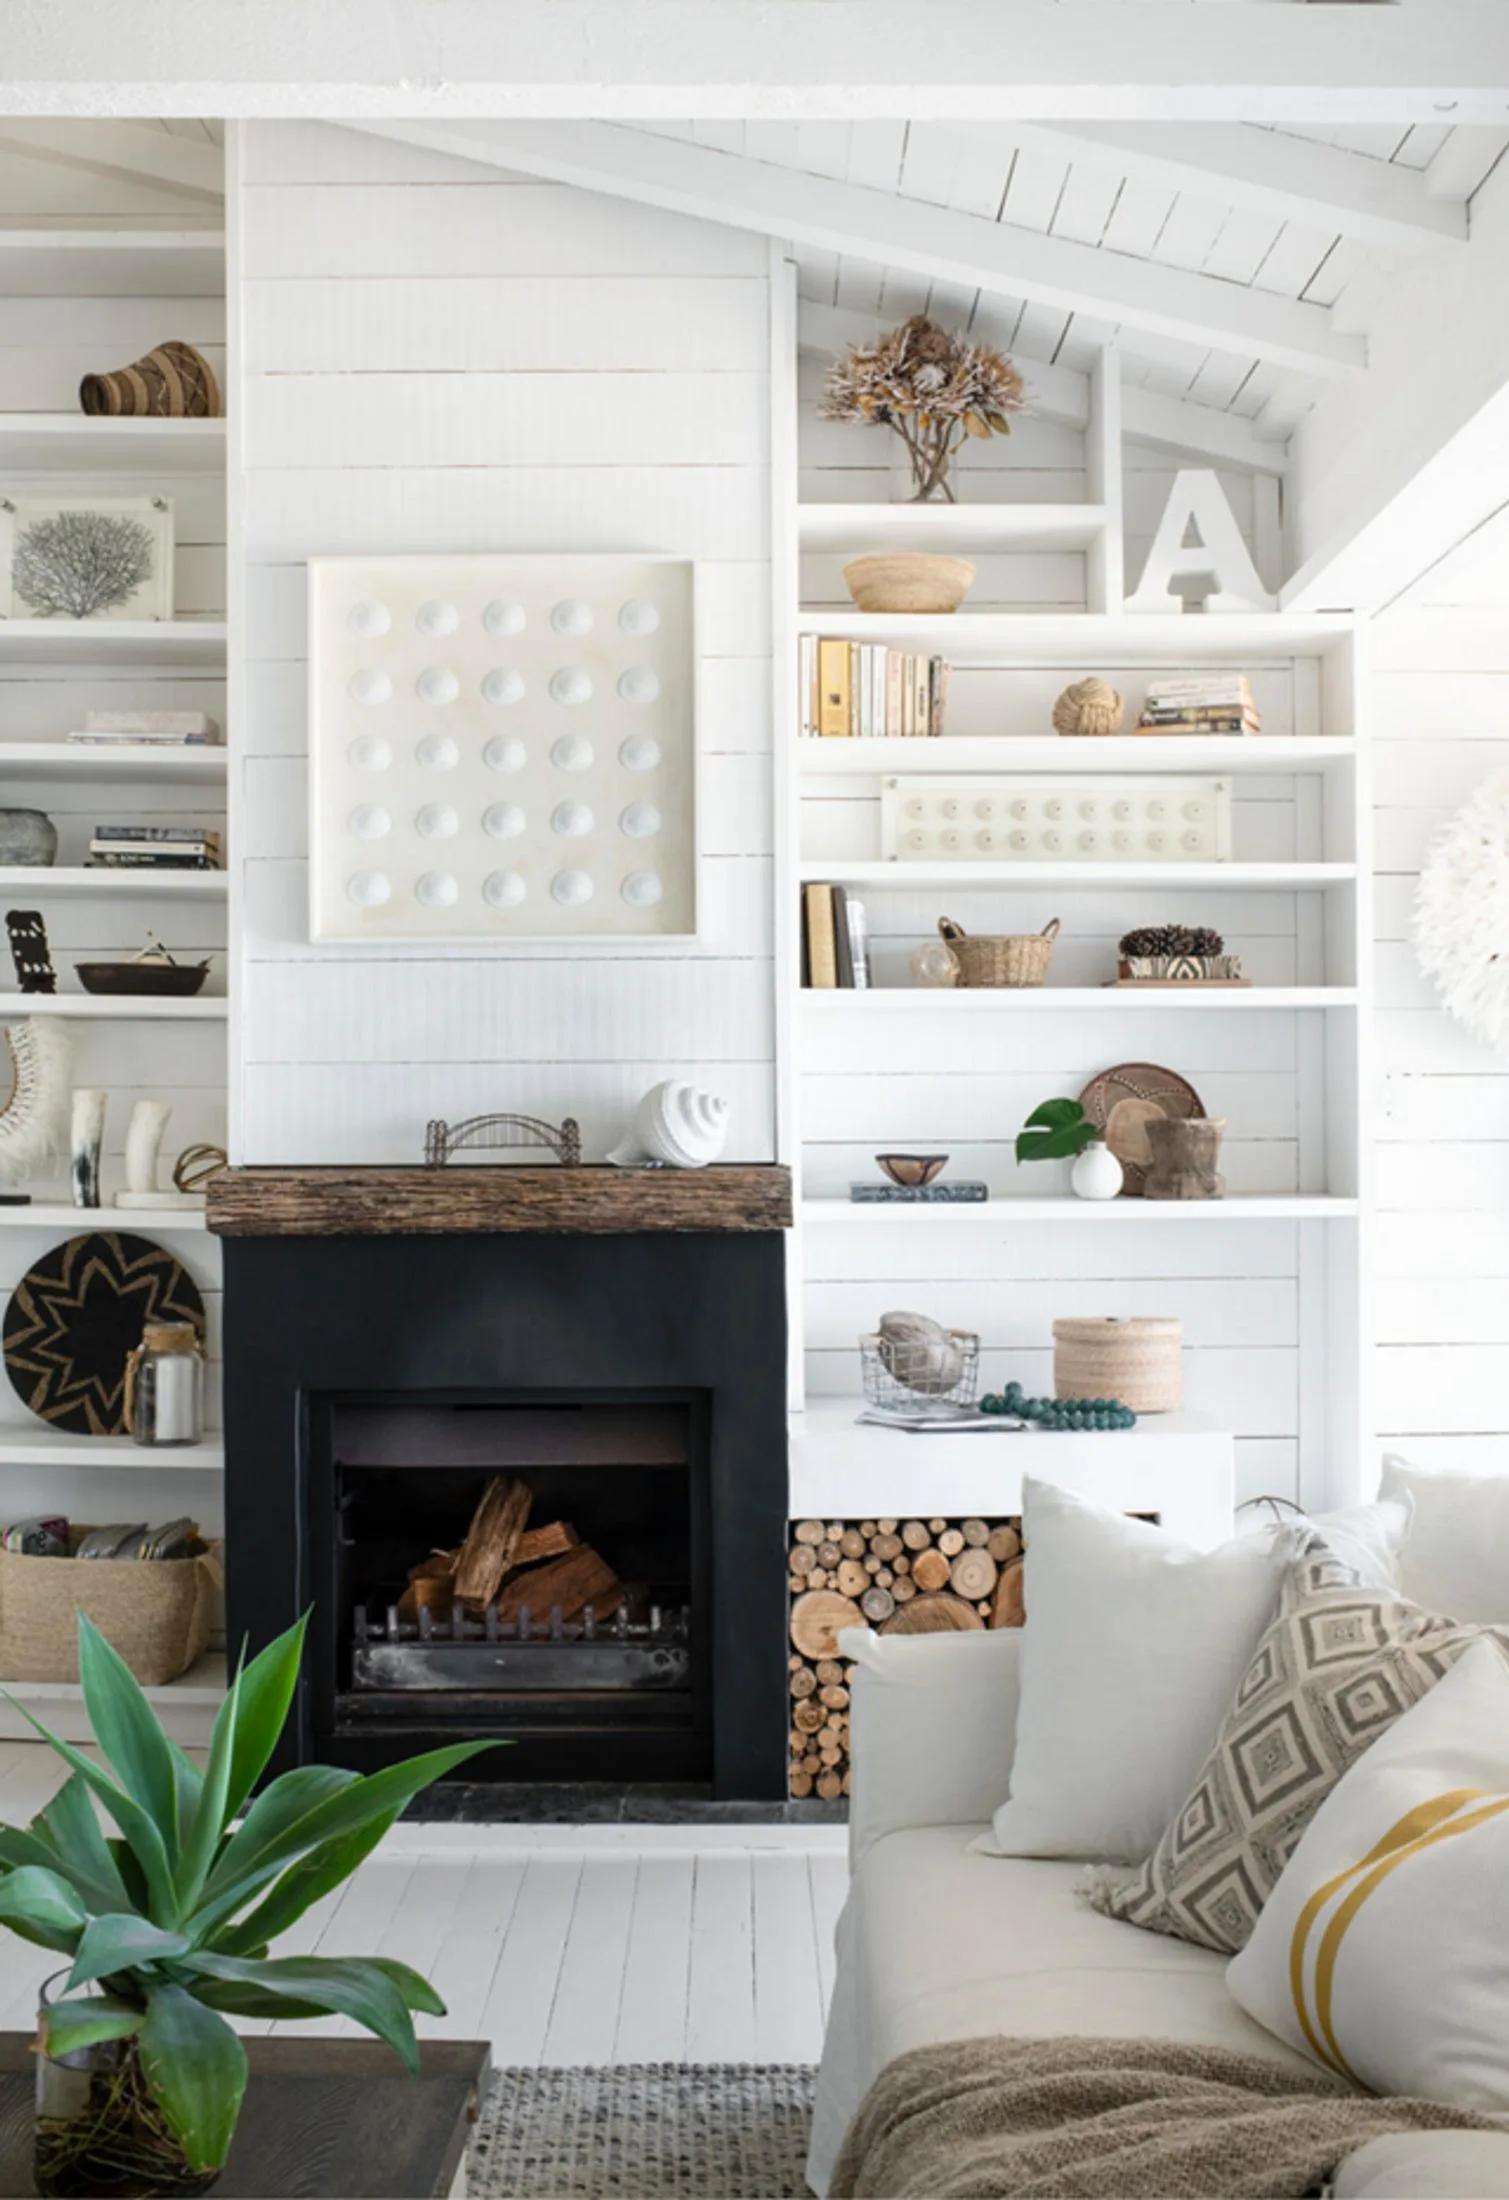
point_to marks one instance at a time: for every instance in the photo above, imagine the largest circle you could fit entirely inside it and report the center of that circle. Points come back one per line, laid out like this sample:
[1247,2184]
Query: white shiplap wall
[1441,710]
[439,357]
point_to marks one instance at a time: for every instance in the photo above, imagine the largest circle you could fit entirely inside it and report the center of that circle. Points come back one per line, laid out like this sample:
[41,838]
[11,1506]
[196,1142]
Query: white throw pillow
[1457,1558]
[1133,1647]
[1372,1539]
[1380,1952]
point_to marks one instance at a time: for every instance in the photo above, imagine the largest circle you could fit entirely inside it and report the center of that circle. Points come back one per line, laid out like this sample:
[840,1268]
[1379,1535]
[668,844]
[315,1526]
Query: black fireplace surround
[683,1318]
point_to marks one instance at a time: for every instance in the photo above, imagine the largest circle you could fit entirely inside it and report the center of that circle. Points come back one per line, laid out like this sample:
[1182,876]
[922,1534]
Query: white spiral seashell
[676,1123]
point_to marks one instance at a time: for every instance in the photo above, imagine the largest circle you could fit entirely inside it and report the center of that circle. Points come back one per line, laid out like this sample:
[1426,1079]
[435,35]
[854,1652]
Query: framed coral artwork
[86,557]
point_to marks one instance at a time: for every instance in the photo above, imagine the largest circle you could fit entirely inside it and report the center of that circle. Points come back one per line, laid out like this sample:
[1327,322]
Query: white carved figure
[676,1125]
[1198,538]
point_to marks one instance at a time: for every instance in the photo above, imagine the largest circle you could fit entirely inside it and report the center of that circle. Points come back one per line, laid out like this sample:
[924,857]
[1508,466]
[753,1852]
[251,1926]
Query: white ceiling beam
[665,59]
[1291,178]
[904,234]
[1465,162]
[1063,394]
[1416,455]
[125,152]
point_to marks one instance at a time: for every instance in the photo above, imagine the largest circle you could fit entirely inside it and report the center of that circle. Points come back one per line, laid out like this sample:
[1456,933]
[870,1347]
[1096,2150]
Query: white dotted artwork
[1073,820]
[502,748]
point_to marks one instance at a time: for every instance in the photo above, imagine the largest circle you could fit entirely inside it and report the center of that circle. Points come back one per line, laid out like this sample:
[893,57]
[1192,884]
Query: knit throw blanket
[1086,2119]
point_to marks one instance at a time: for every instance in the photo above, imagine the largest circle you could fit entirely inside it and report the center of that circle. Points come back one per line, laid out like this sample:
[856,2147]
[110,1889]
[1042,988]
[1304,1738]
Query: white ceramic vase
[1096,1173]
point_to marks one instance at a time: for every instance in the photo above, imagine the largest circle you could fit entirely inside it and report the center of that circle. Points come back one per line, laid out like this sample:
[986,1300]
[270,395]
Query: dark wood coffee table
[323,2120]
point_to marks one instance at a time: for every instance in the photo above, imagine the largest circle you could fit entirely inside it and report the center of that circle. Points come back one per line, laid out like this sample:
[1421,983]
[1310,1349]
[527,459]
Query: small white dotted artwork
[1044,820]
[504,748]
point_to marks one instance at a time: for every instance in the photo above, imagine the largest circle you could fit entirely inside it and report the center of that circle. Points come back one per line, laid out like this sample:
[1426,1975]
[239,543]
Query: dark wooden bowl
[180,980]
[912,1169]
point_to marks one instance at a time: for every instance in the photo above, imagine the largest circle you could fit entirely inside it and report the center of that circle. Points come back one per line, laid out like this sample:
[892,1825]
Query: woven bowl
[910,580]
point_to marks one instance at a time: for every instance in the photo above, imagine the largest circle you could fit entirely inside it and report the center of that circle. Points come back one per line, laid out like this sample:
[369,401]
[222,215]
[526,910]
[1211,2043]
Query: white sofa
[938,1943]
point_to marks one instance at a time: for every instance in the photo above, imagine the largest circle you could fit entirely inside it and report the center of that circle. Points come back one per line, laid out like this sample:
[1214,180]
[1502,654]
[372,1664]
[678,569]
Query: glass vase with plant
[1060,1130]
[167,1925]
[935,387]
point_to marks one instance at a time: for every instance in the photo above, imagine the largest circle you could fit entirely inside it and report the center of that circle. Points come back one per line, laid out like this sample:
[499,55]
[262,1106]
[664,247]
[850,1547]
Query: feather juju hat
[32,1119]
[1462,914]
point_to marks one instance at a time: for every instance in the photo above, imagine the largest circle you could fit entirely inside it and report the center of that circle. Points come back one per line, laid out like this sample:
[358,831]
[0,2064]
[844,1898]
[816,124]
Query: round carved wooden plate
[74,1317]
[1121,1100]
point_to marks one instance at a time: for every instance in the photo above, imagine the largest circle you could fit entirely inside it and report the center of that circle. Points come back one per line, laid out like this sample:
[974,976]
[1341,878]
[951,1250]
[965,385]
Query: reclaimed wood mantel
[431,1202]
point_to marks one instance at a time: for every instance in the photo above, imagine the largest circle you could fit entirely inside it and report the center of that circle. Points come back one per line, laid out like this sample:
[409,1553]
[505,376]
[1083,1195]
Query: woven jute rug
[644,2131]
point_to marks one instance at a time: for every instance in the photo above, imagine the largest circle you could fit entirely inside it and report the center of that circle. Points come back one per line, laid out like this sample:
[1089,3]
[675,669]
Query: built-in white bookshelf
[51,671]
[1272,1281]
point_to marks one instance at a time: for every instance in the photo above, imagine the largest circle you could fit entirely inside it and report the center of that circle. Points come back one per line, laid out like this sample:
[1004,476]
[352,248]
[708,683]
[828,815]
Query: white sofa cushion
[1376,1951]
[933,1726]
[1133,1646]
[1427,2165]
[938,1942]
[1457,1557]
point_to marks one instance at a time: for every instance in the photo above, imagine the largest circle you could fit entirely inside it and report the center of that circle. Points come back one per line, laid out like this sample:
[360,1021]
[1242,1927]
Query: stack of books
[155,848]
[148,729]
[860,691]
[835,939]
[1201,702]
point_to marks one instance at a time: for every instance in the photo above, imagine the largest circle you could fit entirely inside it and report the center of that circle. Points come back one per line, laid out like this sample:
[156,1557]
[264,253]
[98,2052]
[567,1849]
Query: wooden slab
[424,1202]
[331,2118]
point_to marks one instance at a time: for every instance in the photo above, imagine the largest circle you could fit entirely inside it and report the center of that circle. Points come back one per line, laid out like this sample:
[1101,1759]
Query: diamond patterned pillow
[1338,1665]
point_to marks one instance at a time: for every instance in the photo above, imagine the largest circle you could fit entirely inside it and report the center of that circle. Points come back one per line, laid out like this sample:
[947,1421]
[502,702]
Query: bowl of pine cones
[1176,954]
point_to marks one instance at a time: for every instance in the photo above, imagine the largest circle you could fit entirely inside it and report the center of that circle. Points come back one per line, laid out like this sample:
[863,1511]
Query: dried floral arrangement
[933,386]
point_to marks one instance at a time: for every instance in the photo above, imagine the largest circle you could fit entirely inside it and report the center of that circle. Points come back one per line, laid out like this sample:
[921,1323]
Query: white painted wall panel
[439,359]
[1441,708]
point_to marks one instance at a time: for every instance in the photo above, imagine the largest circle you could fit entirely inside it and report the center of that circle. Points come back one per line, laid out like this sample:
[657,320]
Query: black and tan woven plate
[73,1319]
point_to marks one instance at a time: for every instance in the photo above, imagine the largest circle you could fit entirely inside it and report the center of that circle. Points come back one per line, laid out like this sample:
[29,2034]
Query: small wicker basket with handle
[1008,958]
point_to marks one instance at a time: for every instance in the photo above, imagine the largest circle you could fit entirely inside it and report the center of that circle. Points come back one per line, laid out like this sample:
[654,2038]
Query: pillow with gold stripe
[1380,1953]
[1339,1663]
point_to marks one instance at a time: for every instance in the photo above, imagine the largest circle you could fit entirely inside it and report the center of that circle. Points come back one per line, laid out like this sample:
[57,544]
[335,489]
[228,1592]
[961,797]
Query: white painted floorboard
[562,1945]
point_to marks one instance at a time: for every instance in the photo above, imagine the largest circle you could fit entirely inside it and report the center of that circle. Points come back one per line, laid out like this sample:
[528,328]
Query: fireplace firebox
[527,1482]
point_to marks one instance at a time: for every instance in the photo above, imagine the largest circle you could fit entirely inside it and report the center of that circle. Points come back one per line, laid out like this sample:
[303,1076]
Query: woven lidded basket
[1137,1362]
[155,1611]
[1007,958]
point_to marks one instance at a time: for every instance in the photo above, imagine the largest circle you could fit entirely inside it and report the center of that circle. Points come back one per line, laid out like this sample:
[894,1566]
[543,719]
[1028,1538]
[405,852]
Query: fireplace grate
[632,1648]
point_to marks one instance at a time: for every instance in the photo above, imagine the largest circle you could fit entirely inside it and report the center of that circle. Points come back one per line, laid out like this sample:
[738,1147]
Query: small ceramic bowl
[912,1170]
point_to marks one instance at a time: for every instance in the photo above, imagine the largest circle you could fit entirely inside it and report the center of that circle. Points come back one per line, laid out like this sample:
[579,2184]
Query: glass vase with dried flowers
[935,387]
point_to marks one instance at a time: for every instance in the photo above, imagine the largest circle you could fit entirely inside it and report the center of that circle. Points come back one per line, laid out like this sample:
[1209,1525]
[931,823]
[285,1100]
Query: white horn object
[675,1125]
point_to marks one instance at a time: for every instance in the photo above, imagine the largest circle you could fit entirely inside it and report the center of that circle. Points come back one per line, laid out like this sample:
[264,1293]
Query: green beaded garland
[1059,1413]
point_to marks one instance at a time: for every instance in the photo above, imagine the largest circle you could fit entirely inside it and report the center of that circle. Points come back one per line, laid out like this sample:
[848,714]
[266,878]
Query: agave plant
[167,1925]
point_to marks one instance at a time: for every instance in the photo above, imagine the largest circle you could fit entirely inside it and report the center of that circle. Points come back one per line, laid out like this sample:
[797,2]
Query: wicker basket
[1009,958]
[155,1611]
[1137,1362]
[909,580]
[174,382]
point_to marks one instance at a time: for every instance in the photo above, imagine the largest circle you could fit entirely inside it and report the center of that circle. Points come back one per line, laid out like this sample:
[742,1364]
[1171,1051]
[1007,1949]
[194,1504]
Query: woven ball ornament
[1462,914]
[1090,707]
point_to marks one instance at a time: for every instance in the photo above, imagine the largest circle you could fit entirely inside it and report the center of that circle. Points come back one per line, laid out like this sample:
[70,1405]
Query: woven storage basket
[174,382]
[1007,958]
[1137,1362]
[155,1611]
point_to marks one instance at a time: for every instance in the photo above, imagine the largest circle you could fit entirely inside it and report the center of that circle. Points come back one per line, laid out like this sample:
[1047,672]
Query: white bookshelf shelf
[133,643]
[112,263]
[145,765]
[58,1214]
[1283,878]
[965,530]
[1080,640]
[97,882]
[120,1007]
[57,443]
[49,1447]
[1078,999]
[1256,753]
[1001,1212]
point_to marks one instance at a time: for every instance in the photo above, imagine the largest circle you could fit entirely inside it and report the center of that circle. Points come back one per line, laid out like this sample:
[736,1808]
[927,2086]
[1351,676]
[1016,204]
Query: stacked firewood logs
[901,1577]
